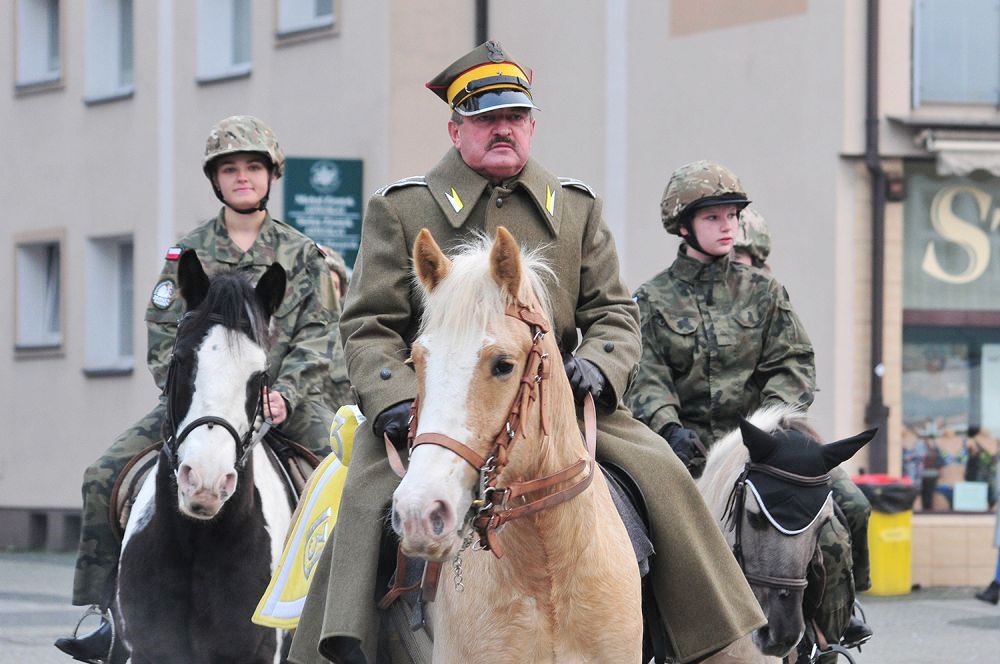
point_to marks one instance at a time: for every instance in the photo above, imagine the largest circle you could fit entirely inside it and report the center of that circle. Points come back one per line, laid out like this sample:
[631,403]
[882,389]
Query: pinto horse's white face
[227,365]
[469,361]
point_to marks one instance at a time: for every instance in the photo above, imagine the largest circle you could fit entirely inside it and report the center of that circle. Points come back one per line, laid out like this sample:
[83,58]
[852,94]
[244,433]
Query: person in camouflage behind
[242,160]
[338,386]
[720,339]
[752,243]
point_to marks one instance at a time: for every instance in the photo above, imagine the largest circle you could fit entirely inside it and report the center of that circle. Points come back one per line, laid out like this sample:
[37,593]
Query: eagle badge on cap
[494,52]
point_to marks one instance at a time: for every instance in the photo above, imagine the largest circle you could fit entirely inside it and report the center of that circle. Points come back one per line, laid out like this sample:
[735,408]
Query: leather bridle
[492,505]
[736,508]
[244,444]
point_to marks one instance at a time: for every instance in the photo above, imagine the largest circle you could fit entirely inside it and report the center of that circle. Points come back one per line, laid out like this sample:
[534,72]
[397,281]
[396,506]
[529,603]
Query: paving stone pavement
[932,626]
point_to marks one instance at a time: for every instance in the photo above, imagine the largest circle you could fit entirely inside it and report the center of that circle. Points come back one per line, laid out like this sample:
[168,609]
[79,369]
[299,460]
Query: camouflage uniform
[307,336]
[338,386]
[753,237]
[720,340]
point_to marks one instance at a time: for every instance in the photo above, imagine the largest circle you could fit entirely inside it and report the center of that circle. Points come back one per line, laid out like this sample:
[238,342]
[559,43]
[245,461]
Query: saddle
[293,462]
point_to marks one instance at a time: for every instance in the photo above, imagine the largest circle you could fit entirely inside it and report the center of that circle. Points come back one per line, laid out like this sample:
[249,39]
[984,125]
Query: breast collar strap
[736,507]
[491,507]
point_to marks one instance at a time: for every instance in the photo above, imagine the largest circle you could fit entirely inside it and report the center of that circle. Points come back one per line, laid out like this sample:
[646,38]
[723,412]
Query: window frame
[100,330]
[98,93]
[28,349]
[43,83]
[205,74]
[307,31]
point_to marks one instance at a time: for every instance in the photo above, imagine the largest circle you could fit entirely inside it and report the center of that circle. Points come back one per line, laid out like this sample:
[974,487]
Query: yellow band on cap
[483,71]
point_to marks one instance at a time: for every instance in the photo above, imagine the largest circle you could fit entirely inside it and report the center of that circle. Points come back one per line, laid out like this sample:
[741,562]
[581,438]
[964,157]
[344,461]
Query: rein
[736,508]
[244,444]
[491,508]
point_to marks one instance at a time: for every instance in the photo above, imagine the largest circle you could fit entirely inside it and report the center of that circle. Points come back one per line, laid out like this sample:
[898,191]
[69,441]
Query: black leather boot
[991,594]
[857,633]
[91,647]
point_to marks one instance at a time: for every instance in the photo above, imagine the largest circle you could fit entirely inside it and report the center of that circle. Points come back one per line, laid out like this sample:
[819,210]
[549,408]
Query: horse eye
[502,367]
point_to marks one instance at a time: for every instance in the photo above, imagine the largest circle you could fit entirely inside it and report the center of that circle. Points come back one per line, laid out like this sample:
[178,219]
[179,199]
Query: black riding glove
[394,421]
[584,377]
[686,445]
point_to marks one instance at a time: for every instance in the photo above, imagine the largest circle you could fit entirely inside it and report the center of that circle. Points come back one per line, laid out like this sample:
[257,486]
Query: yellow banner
[282,602]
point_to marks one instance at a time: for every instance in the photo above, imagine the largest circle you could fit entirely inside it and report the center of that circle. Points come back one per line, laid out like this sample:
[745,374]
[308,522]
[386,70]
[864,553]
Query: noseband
[491,506]
[244,443]
[736,508]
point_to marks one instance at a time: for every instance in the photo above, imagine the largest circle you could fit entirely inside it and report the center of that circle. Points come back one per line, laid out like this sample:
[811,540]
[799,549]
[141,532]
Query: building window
[956,56]
[296,16]
[38,57]
[951,339]
[39,295]
[110,311]
[109,49]
[223,39]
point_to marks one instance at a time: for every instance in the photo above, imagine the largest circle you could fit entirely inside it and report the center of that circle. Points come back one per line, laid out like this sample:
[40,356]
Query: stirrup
[104,615]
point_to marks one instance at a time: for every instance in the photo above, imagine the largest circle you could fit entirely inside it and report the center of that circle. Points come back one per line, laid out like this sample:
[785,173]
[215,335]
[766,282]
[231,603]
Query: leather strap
[467,453]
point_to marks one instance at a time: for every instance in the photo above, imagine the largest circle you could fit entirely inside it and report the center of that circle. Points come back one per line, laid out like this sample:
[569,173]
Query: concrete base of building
[39,529]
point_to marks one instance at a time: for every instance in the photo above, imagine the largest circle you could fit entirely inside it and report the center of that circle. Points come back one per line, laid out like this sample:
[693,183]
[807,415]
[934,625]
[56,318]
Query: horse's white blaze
[226,361]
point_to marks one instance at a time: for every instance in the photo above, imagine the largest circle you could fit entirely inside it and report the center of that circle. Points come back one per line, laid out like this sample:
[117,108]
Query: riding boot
[991,593]
[857,633]
[93,646]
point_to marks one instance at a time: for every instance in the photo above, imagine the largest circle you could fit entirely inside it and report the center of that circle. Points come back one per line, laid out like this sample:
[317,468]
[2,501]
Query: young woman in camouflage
[720,339]
[242,160]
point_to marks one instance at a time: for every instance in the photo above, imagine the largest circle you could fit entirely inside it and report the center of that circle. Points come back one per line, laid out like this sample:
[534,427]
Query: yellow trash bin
[889,539]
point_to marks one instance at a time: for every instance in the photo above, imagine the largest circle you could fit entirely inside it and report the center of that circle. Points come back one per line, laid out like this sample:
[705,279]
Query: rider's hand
[584,377]
[686,445]
[394,421]
[275,407]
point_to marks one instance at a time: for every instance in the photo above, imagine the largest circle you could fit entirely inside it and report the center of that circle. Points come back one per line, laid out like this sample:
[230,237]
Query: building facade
[105,105]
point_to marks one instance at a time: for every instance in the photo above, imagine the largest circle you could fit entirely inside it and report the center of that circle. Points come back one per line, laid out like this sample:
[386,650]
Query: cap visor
[494,99]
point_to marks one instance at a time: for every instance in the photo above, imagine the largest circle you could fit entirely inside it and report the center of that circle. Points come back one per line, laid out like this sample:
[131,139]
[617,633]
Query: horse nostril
[439,518]
[396,521]
[437,523]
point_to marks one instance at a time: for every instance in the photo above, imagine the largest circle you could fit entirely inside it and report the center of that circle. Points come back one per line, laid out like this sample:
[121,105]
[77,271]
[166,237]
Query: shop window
[295,16]
[110,311]
[223,39]
[956,57]
[38,56]
[951,339]
[109,49]
[39,293]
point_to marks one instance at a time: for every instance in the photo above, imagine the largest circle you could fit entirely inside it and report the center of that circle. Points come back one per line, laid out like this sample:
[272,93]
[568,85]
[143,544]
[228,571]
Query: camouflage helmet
[242,133]
[753,236]
[697,185]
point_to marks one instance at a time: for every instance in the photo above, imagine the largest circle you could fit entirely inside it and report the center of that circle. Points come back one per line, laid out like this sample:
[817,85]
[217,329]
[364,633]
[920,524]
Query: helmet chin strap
[261,205]
[692,239]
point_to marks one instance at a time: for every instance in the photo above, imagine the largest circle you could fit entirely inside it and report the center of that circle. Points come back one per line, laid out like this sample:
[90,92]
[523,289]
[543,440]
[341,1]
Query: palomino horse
[768,485]
[209,520]
[497,438]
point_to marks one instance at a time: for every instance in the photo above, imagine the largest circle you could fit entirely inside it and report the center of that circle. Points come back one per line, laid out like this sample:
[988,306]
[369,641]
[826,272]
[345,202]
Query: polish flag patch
[174,253]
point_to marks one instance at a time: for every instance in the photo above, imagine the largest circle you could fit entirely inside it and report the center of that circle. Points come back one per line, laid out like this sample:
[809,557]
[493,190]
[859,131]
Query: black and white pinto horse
[209,522]
[768,485]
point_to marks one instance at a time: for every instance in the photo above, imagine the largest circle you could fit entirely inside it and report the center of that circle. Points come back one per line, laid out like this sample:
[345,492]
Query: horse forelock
[232,303]
[468,301]
[727,458]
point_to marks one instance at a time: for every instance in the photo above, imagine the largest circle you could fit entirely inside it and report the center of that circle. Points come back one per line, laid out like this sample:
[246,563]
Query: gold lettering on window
[969,237]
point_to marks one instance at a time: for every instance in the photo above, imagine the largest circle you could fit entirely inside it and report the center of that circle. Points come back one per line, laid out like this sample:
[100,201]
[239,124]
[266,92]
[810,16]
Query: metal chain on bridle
[244,444]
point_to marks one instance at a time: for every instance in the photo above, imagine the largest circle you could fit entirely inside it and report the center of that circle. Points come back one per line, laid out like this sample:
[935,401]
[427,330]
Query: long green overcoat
[703,595]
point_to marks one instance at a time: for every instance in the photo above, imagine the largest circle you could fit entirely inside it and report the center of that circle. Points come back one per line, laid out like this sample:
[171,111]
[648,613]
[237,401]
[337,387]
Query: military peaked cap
[485,79]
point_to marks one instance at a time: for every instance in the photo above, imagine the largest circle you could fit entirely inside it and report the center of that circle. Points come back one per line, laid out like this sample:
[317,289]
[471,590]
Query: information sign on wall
[323,200]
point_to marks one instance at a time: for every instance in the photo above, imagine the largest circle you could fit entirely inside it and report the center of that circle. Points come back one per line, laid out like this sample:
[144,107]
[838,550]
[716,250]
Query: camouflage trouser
[97,558]
[845,558]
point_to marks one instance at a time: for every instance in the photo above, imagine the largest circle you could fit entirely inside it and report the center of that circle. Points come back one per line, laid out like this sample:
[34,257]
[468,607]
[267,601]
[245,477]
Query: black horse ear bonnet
[792,504]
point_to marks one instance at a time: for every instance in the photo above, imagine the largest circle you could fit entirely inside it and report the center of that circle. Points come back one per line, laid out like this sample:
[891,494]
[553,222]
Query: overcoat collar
[457,189]
[260,253]
[692,270]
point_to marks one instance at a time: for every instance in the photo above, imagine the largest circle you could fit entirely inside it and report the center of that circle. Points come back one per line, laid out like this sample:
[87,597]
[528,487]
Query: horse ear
[430,263]
[758,442]
[270,289]
[836,453]
[192,279]
[505,262]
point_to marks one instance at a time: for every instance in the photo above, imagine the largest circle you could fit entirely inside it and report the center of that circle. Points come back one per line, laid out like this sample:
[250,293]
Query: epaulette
[419,180]
[577,184]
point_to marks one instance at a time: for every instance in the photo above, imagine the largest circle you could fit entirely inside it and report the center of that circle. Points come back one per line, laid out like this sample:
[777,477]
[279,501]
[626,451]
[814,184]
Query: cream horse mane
[727,457]
[469,299]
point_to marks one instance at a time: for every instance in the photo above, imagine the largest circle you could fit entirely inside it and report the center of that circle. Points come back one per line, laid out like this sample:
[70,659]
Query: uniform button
[608,347]
[385,374]
[499,202]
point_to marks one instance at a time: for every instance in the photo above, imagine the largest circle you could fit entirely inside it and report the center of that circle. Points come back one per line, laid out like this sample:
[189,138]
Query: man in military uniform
[489,180]
[242,159]
[719,340]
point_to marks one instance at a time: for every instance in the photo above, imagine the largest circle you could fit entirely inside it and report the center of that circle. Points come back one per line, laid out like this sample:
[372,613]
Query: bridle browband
[491,508]
[245,443]
[736,508]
